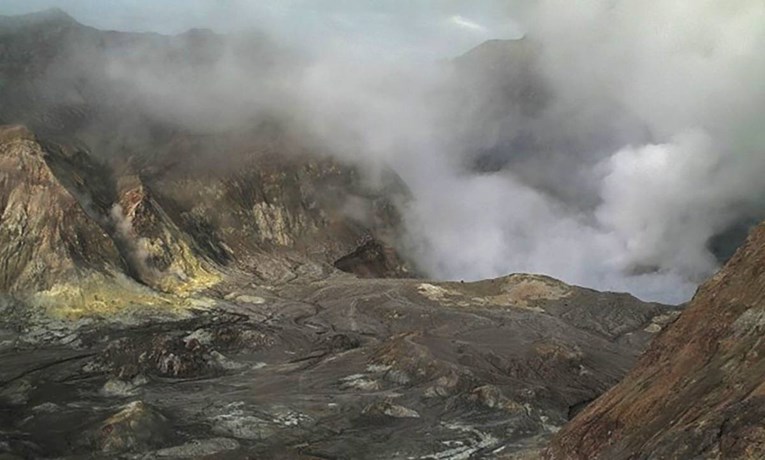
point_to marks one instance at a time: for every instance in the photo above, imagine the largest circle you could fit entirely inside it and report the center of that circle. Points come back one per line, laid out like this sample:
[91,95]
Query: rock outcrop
[46,235]
[79,233]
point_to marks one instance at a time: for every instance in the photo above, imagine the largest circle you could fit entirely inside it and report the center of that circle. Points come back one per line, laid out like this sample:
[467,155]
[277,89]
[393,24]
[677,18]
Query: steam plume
[609,148]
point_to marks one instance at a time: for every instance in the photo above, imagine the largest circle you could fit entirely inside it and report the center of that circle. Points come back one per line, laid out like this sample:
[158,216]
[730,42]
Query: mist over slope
[596,149]
[617,146]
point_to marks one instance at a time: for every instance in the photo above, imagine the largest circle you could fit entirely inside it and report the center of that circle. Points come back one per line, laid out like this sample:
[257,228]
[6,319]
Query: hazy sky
[438,28]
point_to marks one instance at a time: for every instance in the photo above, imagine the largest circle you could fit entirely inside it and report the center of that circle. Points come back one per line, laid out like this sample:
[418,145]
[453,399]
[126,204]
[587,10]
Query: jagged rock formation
[373,259]
[72,227]
[174,214]
[698,390]
[46,234]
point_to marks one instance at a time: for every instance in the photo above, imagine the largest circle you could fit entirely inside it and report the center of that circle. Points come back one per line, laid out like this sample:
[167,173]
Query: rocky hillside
[73,227]
[698,391]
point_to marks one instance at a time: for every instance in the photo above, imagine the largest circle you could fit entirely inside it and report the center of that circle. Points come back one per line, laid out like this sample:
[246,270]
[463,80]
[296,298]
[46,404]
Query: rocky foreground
[334,368]
[184,315]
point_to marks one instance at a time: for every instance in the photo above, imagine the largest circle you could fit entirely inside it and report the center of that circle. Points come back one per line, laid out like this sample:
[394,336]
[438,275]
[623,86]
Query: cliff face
[66,240]
[46,235]
[78,233]
[150,200]
[698,391]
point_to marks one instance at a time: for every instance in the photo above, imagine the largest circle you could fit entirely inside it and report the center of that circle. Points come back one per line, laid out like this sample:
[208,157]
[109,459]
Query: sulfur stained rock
[137,427]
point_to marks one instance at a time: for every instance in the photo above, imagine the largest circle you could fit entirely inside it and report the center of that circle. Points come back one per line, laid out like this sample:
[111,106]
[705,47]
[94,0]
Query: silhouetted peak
[48,16]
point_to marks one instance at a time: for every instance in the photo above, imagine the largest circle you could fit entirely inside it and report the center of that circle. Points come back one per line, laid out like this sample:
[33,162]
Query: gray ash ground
[333,368]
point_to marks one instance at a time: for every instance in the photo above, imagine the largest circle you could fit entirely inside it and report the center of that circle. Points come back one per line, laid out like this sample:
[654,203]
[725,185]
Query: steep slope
[66,242]
[279,198]
[46,235]
[71,224]
[698,390]
[153,181]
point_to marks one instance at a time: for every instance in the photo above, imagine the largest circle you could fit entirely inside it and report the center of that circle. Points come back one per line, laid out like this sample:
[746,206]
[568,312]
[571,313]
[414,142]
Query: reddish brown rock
[698,391]
[45,234]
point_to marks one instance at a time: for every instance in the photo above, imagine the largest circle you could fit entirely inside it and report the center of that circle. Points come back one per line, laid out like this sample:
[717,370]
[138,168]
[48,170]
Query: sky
[427,28]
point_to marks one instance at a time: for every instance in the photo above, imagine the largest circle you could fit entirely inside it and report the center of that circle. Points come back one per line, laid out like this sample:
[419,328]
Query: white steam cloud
[608,148]
[654,143]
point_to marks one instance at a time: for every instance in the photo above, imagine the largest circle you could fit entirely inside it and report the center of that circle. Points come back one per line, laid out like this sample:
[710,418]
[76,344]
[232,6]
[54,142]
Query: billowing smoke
[134,249]
[691,75]
[629,138]
[613,147]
